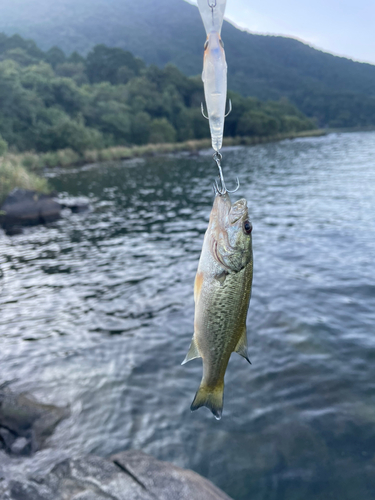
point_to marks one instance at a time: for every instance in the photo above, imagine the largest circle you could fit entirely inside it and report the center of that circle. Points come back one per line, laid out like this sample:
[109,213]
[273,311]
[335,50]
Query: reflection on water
[97,311]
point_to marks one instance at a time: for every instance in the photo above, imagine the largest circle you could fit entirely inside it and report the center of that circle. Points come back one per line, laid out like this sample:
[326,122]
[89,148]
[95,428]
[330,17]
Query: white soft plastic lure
[214,74]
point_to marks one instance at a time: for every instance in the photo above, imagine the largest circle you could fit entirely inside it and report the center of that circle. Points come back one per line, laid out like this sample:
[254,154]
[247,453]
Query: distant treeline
[49,101]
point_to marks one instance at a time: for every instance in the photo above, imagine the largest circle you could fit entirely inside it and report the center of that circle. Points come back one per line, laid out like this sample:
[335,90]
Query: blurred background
[100,106]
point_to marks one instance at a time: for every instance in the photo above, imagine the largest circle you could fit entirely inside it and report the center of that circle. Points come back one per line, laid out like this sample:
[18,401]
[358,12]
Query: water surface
[97,312]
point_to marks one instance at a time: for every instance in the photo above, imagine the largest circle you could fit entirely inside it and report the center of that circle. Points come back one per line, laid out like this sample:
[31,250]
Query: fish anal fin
[192,353]
[241,347]
[210,397]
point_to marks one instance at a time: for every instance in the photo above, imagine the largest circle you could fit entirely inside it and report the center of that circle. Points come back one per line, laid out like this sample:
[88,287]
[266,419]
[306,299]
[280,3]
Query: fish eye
[221,42]
[205,45]
[247,227]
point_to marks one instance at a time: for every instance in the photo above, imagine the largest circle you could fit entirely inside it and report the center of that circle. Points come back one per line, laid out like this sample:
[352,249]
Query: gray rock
[76,207]
[23,207]
[131,475]
[19,490]
[166,481]
[24,417]
[7,438]
[21,446]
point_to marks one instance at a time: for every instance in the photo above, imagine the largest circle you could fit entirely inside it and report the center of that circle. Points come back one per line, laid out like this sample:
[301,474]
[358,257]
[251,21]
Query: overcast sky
[343,27]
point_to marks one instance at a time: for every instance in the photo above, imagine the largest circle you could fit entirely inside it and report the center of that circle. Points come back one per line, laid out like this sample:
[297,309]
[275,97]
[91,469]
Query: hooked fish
[222,294]
[214,73]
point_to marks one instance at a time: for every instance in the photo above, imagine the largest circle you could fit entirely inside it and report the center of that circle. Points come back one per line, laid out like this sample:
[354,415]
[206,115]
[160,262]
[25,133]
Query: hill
[337,92]
[50,102]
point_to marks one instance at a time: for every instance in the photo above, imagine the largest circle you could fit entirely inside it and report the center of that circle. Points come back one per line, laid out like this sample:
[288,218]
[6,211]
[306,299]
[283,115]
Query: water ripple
[97,311]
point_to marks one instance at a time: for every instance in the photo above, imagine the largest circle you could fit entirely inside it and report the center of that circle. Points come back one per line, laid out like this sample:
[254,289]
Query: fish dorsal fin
[241,347]
[193,352]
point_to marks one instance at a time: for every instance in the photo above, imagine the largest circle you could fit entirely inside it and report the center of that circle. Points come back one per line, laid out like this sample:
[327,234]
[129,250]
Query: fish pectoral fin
[193,352]
[221,277]
[241,347]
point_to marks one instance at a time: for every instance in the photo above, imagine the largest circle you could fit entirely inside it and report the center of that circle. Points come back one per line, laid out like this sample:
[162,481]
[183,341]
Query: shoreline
[67,157]
[25,170]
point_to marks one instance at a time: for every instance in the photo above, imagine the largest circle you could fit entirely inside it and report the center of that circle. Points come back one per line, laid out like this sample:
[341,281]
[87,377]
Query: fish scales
[222,294]
[224,321]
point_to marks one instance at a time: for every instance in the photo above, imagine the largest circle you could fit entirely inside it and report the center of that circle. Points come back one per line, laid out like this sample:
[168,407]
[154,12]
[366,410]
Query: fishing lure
[214,73]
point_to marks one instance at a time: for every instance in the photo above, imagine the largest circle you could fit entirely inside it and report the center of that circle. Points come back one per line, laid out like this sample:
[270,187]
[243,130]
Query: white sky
[343,27]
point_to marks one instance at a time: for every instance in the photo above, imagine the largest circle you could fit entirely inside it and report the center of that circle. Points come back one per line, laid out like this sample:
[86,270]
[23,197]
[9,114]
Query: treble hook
[229,111]
[223,189]
[230,108]
[202,110]
[211,5]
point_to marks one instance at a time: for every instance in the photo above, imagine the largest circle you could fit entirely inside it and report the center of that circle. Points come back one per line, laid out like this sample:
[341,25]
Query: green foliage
[162,131]
[141,128]
[3,146]
[55,56]
[333,91]
[74,70]
[48,104]
[111,65]
[13,175]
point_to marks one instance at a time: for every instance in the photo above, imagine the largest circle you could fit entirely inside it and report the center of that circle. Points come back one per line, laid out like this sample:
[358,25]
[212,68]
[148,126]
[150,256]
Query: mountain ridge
[334,90]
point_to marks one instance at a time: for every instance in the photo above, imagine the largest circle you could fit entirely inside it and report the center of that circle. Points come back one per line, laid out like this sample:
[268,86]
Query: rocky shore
[30,471]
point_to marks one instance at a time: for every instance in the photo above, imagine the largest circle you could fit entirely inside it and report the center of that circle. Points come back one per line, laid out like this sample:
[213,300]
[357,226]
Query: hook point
[202,110]
[230,108]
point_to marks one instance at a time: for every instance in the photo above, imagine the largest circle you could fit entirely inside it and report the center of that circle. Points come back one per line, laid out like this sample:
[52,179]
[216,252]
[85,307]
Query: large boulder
[130,475]
[52,475]
[164,480]
[24,207]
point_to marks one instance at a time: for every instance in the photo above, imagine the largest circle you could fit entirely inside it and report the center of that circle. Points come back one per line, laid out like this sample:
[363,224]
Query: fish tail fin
[211,397]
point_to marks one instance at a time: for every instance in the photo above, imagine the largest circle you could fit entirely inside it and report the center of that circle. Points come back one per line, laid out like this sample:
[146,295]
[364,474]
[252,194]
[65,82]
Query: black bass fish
[222,294]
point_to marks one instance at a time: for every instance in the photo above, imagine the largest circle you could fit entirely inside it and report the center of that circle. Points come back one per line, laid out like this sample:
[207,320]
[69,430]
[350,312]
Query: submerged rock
[131,475]
[21,446]
[25,424]
[76,207]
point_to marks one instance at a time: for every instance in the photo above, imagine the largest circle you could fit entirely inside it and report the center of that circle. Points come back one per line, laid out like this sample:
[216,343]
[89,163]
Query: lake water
[96,311]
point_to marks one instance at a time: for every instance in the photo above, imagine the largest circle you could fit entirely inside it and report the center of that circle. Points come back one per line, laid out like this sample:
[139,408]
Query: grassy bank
[13,174]
[24,170]
[67,157]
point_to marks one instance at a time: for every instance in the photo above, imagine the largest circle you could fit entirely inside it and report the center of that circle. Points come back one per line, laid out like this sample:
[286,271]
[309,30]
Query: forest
[50,101]
[336,92]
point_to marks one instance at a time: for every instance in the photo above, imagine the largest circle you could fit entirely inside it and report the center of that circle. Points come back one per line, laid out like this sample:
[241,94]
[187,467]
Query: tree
[55,56]
[3,146]
[162,131]
[103,63]
[257,123]
[140,128]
